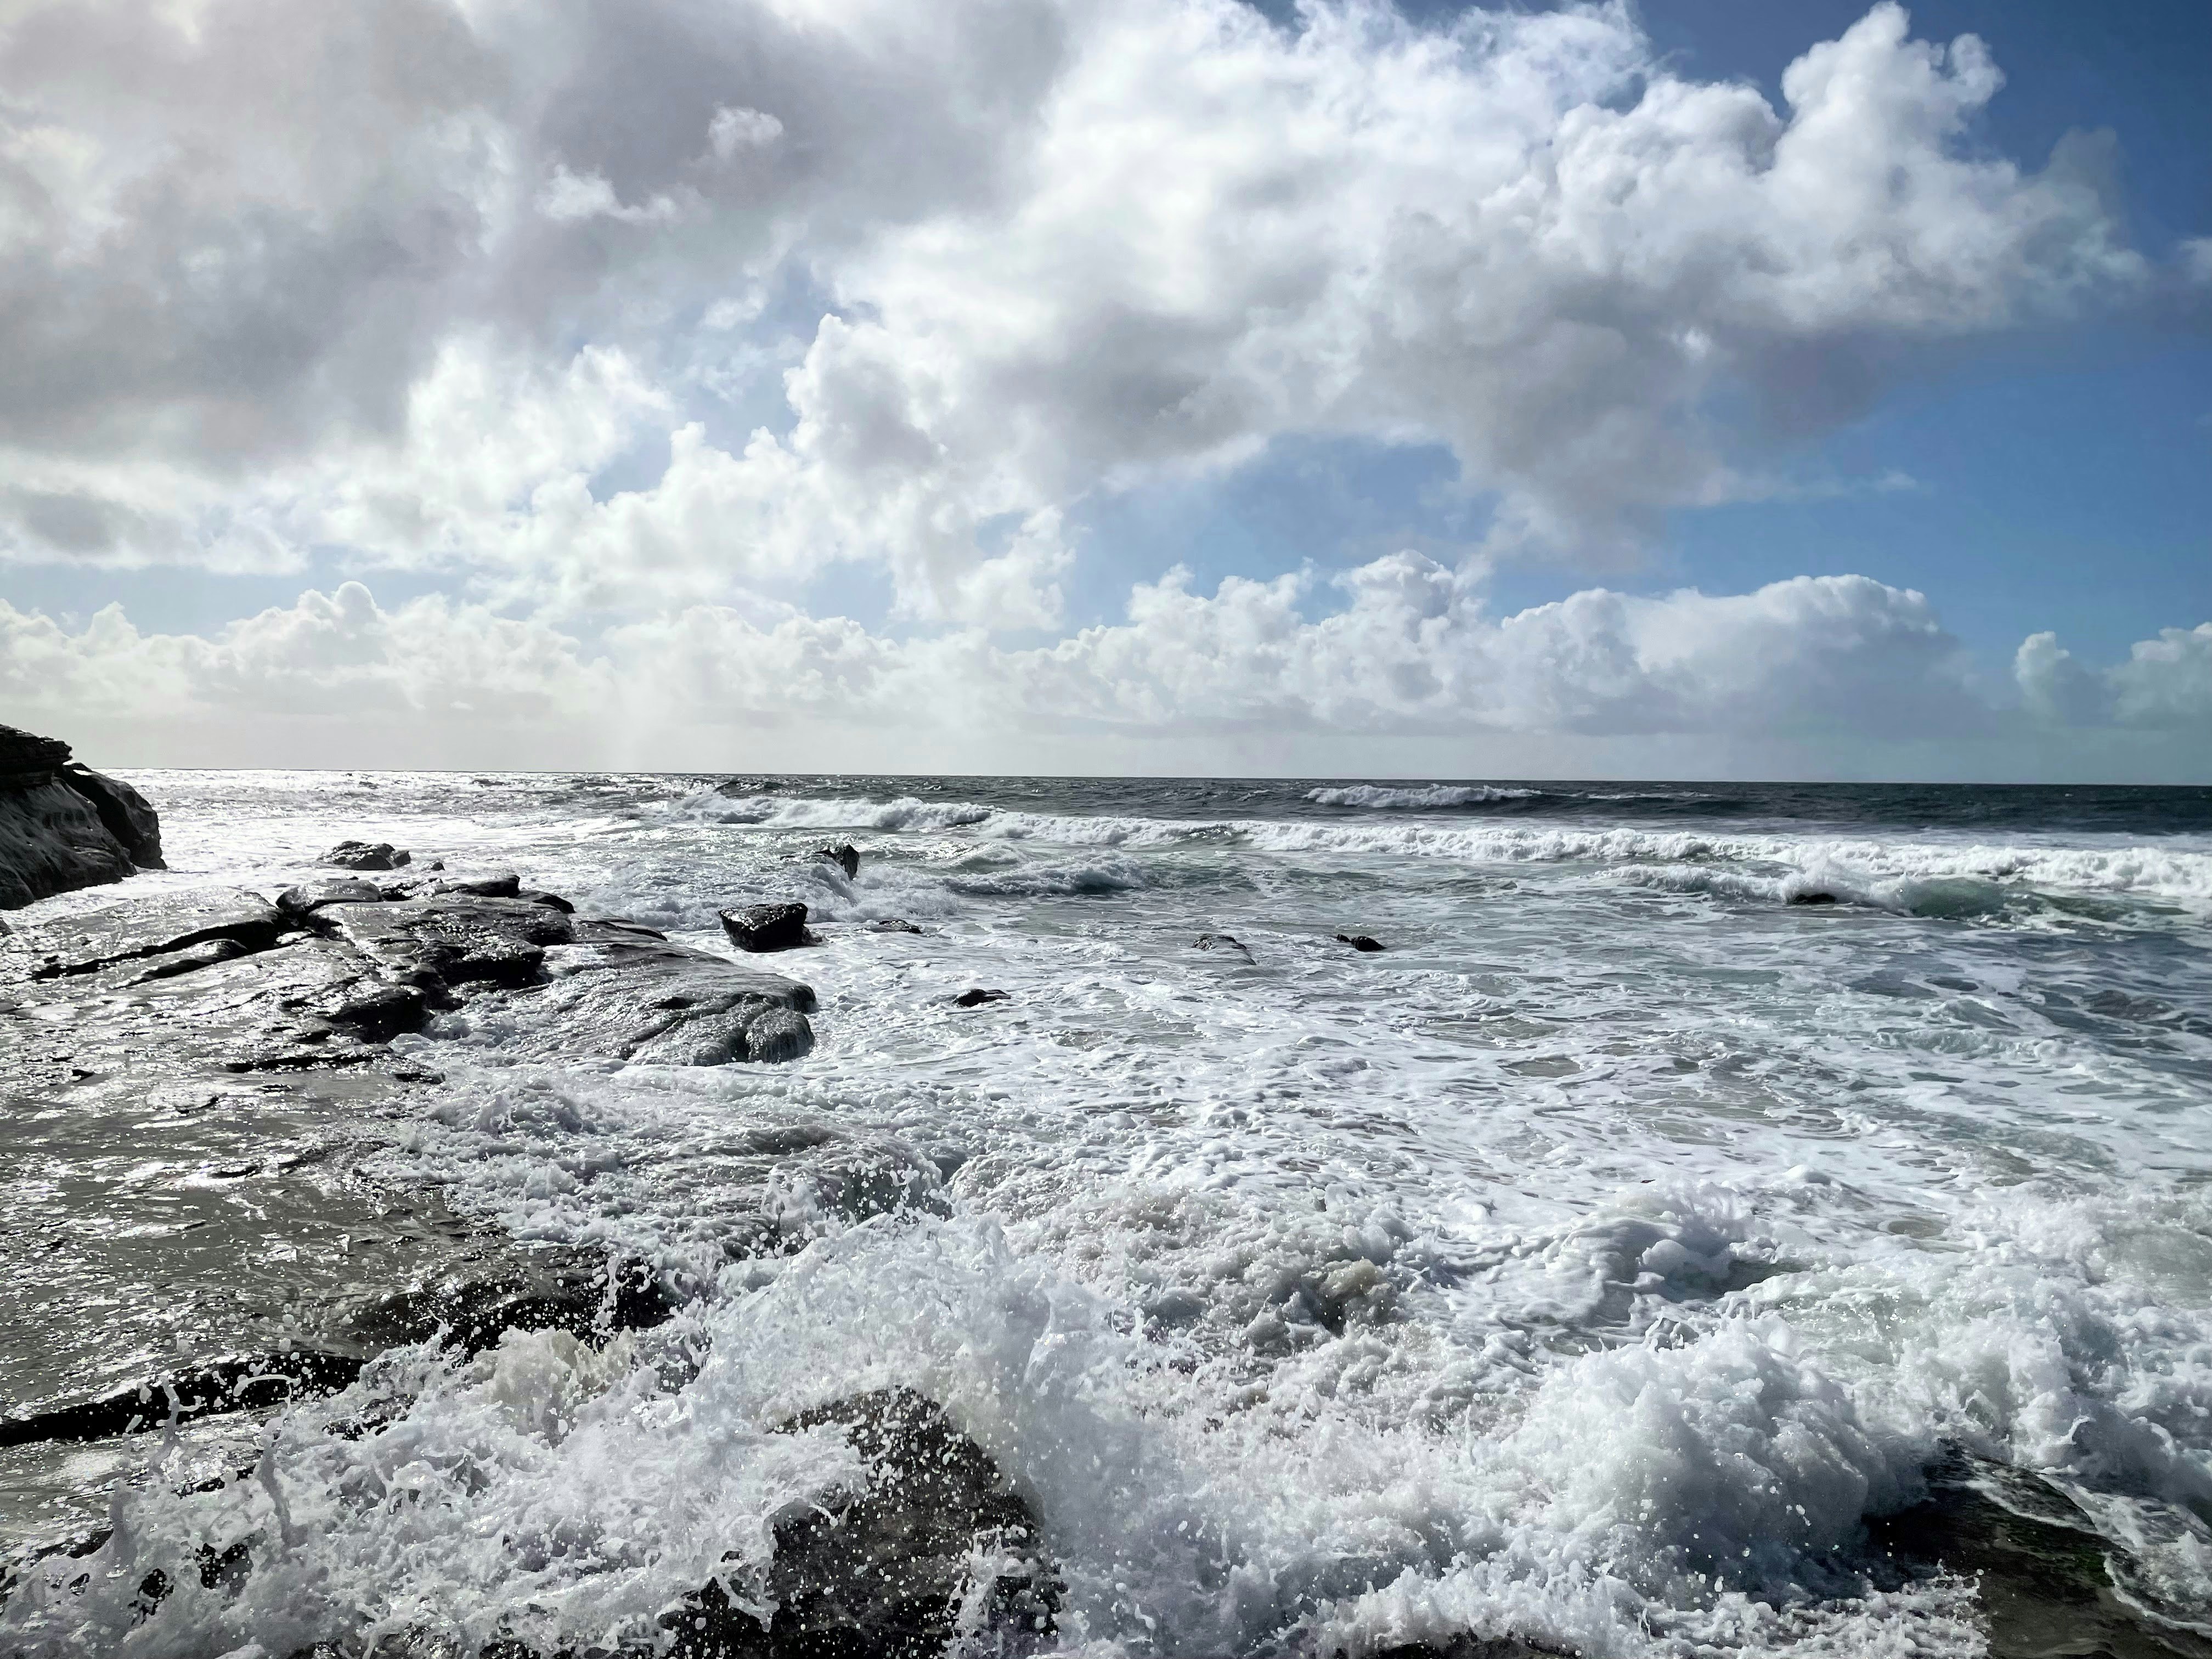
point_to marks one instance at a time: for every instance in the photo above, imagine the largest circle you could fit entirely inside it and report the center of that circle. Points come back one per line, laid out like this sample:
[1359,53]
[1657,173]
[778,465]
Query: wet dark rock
[307,898]
[936,1542]
[123,812]
[1360,941]
[2046,1580]
[550,901]
[367,855]
[760,927]
[444,942]
[778,1034]
[892,924]
[1813,898]
[154,926]
[472,1308]
[505,886]
[843,854]
[190,960]
[621,991]
[51,841]
[1228,944]
[976,996]
[237,1383]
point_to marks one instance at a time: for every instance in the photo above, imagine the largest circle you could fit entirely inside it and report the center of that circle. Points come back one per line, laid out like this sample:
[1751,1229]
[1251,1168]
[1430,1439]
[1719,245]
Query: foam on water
[1429,799]
[1587,1266]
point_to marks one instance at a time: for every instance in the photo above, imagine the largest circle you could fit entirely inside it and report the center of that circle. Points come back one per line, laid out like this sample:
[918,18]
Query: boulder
[760,927]
[843,854]
[976,996]
[934,1543]
[1360,941]
[367,855]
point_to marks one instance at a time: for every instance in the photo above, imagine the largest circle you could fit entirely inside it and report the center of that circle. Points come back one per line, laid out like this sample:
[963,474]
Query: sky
[1699,388]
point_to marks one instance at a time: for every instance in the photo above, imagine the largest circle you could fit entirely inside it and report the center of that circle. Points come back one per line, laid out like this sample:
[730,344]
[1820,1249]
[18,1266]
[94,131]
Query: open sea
[1723,1219]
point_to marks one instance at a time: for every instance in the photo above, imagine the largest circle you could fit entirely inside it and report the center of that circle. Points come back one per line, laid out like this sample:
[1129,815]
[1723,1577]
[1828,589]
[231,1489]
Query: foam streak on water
[1590,1264]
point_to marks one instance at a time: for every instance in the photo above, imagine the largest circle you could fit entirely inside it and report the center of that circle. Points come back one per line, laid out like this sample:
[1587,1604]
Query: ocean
[1720,1219]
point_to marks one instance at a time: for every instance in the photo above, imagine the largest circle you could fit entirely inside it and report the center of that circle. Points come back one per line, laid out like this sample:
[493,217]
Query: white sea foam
[1425,798]
[1938,876]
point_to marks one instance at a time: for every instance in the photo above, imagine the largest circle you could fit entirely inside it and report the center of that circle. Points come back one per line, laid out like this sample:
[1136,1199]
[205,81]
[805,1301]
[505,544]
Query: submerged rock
[1360,941]
[892,924]
[1812,897]
[935,1544]
[843,854]
[1228,944]
[64,826]
[976,996]
[367,855]
[763,928]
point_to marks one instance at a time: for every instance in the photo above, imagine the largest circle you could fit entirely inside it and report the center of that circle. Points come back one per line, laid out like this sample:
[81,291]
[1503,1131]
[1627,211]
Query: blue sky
[1127,376]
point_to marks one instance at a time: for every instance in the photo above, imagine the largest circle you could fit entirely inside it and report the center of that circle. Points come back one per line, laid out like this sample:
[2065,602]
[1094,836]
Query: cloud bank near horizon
[668,341]
[1410,652]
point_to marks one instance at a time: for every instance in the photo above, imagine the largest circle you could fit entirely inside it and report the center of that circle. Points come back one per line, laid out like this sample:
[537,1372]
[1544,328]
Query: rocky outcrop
[124,813]
[763,928]
[331,972]
[64,826]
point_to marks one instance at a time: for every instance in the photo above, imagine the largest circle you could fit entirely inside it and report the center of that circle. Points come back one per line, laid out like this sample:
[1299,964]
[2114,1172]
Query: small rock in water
[892,924]
[977,996]
[843,854]
[935,1545]
[767,927]
[1360,941]
[1228,943]
[777,1035]
[1813,898]
[367,855]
